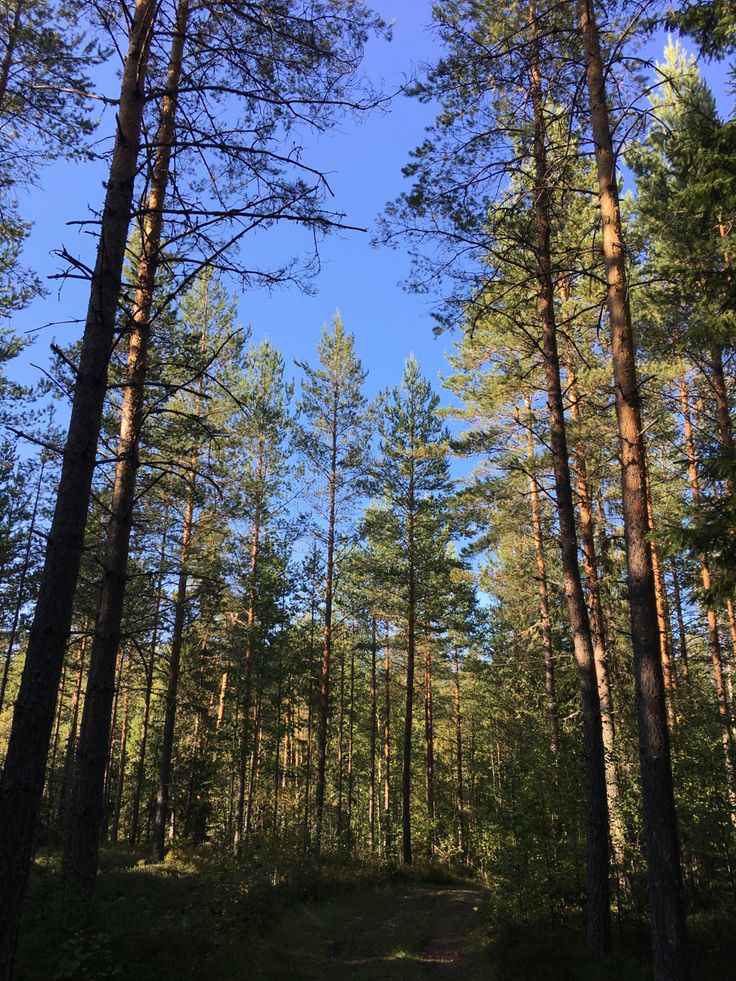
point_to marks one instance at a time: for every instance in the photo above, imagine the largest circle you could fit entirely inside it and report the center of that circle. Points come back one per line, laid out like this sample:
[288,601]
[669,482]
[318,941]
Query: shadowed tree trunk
[23,775]
[82,834]
[669,934]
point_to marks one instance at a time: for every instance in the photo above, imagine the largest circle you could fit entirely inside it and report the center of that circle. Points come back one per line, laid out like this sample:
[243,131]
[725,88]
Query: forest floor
[196,918]
[420,931]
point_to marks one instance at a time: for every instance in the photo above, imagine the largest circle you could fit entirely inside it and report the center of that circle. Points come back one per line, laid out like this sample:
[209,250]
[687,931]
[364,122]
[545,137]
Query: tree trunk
[167,745]
[340,728]
[681,634]
[324,702]
[663,616]
[669,932]
[387,742]
[140,772]
[459,803]
[23,775]
[121,770]
[600,654]
[71,742]
[409,711]
[373,734]
[714,639]
[598,913]
[248,670]
[86,803]
[351,725]
[429,744]
[547,647]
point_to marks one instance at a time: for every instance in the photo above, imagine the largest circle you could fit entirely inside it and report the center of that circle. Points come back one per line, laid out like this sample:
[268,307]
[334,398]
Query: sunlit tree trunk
[373,735]
[597,627]
[547,646]
[387,742]
[598,914]
[669,934]
[459,801]
[714,637]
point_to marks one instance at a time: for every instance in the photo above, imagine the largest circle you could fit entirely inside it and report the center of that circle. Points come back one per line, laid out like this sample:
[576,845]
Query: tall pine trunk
[82,834]
[598,912]
[22,781]
[669,932]
[598,633]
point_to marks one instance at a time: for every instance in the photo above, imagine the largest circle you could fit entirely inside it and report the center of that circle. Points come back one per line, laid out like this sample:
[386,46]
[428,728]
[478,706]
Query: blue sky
[364,162]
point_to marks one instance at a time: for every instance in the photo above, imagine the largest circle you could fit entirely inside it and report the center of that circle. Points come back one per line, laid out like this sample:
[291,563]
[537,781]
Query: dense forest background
[271,632]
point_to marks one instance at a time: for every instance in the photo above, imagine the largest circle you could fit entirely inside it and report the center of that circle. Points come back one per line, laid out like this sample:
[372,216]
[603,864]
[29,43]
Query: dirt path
[420,933]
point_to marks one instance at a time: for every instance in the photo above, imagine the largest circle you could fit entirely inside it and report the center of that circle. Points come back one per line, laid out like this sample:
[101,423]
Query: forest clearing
[327,651]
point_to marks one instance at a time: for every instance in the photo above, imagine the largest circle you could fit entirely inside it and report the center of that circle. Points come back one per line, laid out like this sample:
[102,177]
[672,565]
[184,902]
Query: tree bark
[324,701]
[409,711]
[597,626]
[248,669]
[167,745]
[459,802]
[669,932]
[373,735]
[121,770]
[23,775]
[387,742]
[547,646]
[714,638]
[429,744]
[86,802]
[140,772]
[598,912]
